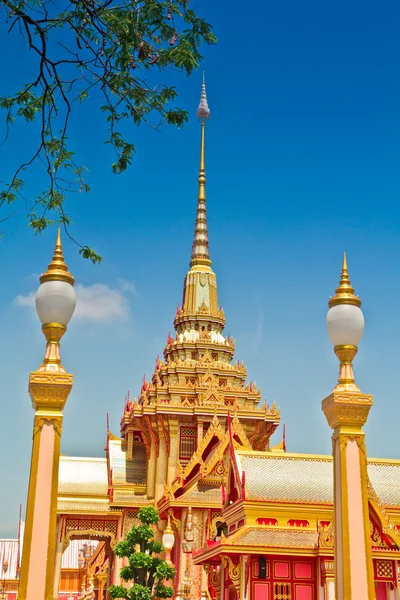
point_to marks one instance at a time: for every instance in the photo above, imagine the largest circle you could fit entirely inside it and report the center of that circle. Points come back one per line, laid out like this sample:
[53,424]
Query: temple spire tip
[200,253]
[203,111]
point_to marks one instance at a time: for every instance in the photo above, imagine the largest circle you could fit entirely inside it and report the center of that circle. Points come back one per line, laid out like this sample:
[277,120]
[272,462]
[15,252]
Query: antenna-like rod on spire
[200,253]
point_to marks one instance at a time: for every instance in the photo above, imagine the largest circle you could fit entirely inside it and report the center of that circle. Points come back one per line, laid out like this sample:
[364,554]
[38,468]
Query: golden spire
[345,291]
[57,269]
[200,252]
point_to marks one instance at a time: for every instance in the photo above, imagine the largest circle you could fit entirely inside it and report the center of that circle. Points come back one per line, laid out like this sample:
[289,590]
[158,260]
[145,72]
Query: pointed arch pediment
[383,532]
[212,450]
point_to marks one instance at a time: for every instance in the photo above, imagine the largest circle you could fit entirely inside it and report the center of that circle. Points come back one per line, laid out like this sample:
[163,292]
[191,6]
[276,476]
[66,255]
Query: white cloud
[96,303]
[28,300]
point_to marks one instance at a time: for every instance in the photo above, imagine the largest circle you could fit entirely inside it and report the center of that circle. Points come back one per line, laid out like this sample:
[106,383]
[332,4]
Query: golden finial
[168,528]
[57,269]
[345,291]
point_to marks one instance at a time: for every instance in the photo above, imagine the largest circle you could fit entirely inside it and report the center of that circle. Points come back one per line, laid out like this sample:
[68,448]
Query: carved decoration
[384,569]
[188,542]
[214,578]
[145,437]
[376,537]
[234,571]
[55,421]
[350,408]
[153,434]
[388,529]
[327,535]
[89,533]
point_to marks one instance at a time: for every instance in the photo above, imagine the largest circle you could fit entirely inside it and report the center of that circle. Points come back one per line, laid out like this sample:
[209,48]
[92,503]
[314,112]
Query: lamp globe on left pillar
[49,387]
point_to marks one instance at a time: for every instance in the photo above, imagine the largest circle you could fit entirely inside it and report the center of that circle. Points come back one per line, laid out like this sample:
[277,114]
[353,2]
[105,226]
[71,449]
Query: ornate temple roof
[82,476]
[276,538]
[253,540]
[202,494]
[309,478]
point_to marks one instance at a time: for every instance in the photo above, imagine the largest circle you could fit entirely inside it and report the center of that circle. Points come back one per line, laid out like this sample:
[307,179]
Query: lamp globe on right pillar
[346,410]
[345,326]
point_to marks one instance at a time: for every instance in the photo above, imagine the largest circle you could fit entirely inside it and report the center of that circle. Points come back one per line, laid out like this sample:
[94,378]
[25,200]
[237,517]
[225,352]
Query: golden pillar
[346,411]
[161,469]
[102,580]
[151,473]
[49,387]
[173,451]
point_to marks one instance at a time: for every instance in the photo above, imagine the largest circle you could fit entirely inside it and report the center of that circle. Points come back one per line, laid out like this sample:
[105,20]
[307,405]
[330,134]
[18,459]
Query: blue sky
[303,162]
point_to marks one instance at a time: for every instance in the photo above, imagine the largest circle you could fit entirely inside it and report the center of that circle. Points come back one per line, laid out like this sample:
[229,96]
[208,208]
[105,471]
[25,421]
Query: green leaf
[148,515]
[89,253]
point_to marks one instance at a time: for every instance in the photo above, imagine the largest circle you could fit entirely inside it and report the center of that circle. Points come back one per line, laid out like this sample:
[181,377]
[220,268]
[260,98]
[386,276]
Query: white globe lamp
[168,541]
[345,325]
[55,305]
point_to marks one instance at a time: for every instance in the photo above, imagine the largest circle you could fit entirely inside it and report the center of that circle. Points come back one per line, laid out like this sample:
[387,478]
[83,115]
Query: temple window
[222,382]
[282,591]
[214,355]
[136,468]
[221,529]
[187,443]
[195,356]
[209,327]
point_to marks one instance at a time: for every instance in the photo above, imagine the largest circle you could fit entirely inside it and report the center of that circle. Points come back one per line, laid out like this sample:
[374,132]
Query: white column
[59,553]
[331,590]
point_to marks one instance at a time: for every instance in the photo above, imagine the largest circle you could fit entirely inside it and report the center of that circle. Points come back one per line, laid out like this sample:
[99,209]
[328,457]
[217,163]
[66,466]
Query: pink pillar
[346,412]
[49,388]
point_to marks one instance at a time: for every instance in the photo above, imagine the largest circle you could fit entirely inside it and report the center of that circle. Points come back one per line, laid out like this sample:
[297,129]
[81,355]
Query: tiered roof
[284,502]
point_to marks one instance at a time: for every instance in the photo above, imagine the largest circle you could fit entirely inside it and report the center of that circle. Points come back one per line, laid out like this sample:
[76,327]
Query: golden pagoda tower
[177,429]
[49,387]
[346,411]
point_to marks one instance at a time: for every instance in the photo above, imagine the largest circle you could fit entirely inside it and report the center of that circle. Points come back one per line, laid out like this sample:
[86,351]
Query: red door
[381,590]
[286,578]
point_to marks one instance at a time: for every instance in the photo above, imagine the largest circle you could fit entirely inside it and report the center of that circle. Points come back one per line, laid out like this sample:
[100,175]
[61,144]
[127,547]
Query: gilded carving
[234,571]
[347,408]
[376,536]
[88,534]
[326,535]
[153,434]
[49,391]
[40,421]
[214,578]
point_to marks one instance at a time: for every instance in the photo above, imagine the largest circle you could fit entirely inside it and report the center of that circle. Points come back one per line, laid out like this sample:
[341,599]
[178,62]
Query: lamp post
[346,411]
[168,540]
[49,387]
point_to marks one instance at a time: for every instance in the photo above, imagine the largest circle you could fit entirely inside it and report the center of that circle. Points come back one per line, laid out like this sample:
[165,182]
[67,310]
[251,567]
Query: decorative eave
[267,541]
[81,506]
[389,530]
[132,414]
[183,316]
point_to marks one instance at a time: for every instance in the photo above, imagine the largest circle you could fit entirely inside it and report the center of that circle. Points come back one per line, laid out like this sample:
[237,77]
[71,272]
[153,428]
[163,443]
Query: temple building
[250,521]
